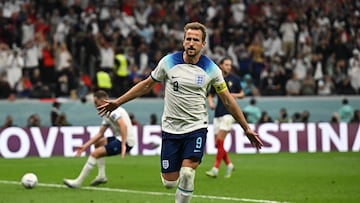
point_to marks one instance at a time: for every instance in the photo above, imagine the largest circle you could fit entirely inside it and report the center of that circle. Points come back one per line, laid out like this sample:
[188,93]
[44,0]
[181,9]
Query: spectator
[47,68]
[8,122]
[304,45]
[103,81]
[142,13]
[142,59]
[249,87]
[288,31]
[15,64]
[31,57]
[252,112]
[55,112]
[308,85]
[153,119]
[324,49]
[296,118]
[305,116]
[302,66]
[272,44]
[122,75]
[5,87]
[84,86]
[273,83]
[133,120]
[265,118]
[63,57]
[256,50]
[334,118]
[66,81]
[325,86]
[39,90]
[33,121]
[23,86]
[356,116]
[27,30]
[346,111]
[4,55]
[283,117]
[354,71]
[107,55]
[293,86]
[238,9]
[62,30]
[345,87]
[61,120]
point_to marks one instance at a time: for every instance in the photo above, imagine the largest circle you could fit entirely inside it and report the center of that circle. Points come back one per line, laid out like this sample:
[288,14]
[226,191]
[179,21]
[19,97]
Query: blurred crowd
[69,48]
[346,113]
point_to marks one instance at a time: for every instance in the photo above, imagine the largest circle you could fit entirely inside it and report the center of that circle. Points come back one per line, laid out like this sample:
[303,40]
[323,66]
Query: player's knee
[187,177]
[169,184]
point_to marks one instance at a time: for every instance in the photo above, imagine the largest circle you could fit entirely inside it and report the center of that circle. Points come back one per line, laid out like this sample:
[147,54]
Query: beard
[191,52]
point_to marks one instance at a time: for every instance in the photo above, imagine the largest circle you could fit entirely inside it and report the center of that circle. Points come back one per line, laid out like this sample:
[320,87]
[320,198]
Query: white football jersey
[112,122]
[186,89]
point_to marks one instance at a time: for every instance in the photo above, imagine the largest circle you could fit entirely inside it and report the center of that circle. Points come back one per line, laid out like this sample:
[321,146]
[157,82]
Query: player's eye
[193,39]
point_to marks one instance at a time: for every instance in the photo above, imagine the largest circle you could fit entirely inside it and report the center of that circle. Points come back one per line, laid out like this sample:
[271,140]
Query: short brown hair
[101,94]
[196,26]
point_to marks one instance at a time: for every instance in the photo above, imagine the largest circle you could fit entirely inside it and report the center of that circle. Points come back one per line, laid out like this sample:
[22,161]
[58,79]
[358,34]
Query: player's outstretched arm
[236,112]
[138,90]
[91,141]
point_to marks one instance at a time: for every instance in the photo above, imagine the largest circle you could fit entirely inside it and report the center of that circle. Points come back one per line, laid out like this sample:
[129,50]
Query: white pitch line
[147,192]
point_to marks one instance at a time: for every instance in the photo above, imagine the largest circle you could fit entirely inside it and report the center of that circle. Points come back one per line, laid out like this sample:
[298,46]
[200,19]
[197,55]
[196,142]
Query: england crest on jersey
[200,79]
[165,164]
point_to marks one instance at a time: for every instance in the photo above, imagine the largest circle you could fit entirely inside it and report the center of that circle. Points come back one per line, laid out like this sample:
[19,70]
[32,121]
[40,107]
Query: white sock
[89,165]
[181,197]
[185,188]
[101,167]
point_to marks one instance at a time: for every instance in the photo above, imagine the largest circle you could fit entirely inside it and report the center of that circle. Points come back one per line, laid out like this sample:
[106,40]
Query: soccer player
[121,143]
[188,75]
[223,120]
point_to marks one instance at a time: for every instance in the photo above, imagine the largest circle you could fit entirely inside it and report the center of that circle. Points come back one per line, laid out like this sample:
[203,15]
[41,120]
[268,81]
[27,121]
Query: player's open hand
[254,139]
[80,150]
[106,108]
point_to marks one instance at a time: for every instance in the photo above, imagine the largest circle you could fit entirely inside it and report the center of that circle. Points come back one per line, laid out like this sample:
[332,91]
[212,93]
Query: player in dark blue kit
[223,120]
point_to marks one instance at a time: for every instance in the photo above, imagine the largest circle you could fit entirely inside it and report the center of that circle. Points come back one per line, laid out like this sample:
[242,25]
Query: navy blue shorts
[177,147]
[113,146]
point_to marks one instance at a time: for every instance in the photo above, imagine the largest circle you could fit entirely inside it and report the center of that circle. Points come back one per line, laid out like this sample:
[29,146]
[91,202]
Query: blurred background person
[223,120]
[346,111]
[356,117]
[33,121]
[283,116]
[265,118]
[55,112]
[252,112]
[9,122]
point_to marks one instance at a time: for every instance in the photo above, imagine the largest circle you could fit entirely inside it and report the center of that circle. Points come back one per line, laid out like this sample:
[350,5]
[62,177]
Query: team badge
[199,79]
[165,164]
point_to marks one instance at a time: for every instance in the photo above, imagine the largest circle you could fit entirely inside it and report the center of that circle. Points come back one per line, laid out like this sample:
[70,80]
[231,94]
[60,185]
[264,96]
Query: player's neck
[191,59]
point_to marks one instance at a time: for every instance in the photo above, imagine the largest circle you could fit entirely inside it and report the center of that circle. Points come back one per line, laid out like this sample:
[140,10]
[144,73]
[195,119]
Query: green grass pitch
[263,178]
